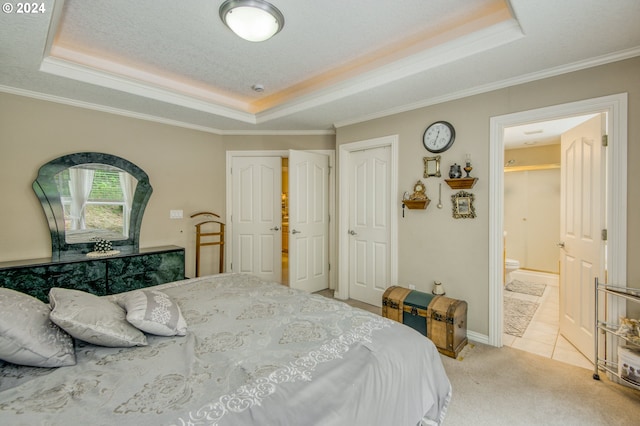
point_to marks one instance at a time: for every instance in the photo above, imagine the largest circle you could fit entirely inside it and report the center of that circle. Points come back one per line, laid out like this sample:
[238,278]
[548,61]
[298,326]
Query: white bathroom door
[369,224]
[308,221]
[257,216]
[582,220]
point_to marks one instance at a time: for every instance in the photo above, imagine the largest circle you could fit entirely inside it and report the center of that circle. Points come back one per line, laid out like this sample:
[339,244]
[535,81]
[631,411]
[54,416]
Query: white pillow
[154,312]
[27,336]
[93,319]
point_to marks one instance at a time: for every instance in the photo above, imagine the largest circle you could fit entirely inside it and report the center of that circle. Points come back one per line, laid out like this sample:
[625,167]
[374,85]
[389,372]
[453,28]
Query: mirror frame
[47,191]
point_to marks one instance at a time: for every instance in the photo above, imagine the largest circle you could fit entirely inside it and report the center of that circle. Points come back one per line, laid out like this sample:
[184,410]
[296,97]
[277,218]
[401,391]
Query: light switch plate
[175,214]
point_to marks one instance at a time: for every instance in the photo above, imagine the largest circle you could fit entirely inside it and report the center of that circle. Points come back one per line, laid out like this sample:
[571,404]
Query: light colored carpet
[524,287]
[505,386]
[517,315]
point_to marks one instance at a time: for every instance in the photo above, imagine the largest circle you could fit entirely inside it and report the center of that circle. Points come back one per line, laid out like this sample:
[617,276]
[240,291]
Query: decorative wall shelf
[461,183]
[416,204]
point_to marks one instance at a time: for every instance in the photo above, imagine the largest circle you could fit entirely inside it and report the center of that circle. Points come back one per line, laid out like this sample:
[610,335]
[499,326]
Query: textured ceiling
[335,62]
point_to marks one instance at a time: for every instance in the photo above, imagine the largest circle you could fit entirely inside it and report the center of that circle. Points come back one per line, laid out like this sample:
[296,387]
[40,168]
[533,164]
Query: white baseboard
[477,337]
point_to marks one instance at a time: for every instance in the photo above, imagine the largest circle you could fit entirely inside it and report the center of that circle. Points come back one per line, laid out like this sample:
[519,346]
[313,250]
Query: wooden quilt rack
[200,234]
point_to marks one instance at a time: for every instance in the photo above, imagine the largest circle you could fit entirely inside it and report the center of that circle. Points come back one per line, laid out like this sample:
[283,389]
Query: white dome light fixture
[252,20]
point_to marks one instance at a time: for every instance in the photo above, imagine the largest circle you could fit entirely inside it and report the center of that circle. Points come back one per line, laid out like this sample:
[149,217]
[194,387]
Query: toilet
[510,265]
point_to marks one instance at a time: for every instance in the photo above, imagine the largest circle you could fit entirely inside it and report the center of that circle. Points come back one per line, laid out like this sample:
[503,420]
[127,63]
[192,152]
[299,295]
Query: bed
[245,352]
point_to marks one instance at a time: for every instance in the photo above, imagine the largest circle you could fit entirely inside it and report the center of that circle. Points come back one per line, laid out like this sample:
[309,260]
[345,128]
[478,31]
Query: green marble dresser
[129,270]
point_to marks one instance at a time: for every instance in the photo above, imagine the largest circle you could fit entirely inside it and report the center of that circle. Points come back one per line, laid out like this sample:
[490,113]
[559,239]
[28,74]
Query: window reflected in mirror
[96,201]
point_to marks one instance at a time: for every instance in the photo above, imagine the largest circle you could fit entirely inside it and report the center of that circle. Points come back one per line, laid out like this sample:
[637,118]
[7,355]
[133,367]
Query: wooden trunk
[440,318]
[393,302]
[448,325]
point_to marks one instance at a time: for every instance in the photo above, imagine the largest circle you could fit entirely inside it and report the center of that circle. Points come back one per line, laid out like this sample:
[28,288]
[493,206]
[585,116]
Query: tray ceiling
[334,63]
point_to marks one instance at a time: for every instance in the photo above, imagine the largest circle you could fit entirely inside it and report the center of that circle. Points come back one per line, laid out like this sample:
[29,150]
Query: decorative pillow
[93,319]
[28,337]
[154,312]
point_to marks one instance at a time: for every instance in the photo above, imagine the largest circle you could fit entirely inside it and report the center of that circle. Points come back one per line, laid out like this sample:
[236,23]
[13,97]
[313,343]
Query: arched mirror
[92,195]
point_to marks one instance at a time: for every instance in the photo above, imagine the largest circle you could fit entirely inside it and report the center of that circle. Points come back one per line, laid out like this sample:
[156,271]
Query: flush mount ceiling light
[252,20]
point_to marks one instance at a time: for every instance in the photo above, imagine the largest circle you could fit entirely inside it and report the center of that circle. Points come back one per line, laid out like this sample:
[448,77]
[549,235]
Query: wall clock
[439,136]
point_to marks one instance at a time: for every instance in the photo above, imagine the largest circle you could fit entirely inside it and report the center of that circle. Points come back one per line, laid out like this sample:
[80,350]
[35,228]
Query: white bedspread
[256,353]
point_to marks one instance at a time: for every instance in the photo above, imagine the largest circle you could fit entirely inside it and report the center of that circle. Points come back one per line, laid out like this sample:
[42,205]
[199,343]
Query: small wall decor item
[431,166]
[454,171]
[102,248]
[419,199]
[467,167]
[438,137]
[456,180]
[463,205]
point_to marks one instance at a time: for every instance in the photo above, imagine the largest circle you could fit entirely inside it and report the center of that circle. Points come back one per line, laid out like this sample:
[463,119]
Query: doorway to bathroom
[613,266]
[535,197]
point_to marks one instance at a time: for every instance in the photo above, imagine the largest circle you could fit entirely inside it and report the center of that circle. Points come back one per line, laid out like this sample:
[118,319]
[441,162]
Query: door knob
[275,228]
[352,232]
[295,231]
[560,244]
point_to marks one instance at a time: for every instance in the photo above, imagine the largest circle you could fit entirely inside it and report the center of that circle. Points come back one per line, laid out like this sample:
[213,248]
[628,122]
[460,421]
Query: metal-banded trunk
[441,319]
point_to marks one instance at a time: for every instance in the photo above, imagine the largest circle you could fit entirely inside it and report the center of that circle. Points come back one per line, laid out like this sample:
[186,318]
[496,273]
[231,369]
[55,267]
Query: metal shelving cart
[604,364]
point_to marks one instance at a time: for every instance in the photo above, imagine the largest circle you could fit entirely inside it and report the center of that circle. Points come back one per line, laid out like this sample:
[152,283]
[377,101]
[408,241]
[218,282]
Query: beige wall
[534,156]
[433,245]
[186,169]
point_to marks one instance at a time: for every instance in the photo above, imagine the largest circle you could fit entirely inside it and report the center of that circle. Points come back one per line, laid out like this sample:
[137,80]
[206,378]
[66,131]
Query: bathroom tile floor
[542,336]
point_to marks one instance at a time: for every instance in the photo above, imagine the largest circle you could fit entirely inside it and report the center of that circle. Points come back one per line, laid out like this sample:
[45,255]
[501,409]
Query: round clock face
[439,136]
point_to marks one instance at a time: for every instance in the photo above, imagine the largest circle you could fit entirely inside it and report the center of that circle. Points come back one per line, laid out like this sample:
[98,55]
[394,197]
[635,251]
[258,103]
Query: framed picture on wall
[463,205]
[431,166]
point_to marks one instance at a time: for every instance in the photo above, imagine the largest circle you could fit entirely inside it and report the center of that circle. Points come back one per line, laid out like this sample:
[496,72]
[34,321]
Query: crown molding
[527,78]
[552,72]
[102,108]
[63,68]
[278,132]
[155,119]
[450,51]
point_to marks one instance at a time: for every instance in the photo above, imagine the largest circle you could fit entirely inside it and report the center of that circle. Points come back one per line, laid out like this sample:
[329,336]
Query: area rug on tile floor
[517,315]
[517,286]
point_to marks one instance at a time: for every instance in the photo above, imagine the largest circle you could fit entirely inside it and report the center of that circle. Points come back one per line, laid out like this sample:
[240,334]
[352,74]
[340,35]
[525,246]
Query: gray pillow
[154,312]
[28,337]
[93,319]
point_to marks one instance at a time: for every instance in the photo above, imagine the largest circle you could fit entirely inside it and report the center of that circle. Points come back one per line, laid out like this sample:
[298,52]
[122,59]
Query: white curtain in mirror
[128,184]
[80,184]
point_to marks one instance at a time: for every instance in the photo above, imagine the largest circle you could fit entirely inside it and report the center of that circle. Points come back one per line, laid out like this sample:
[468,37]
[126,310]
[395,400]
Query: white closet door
[257,216]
